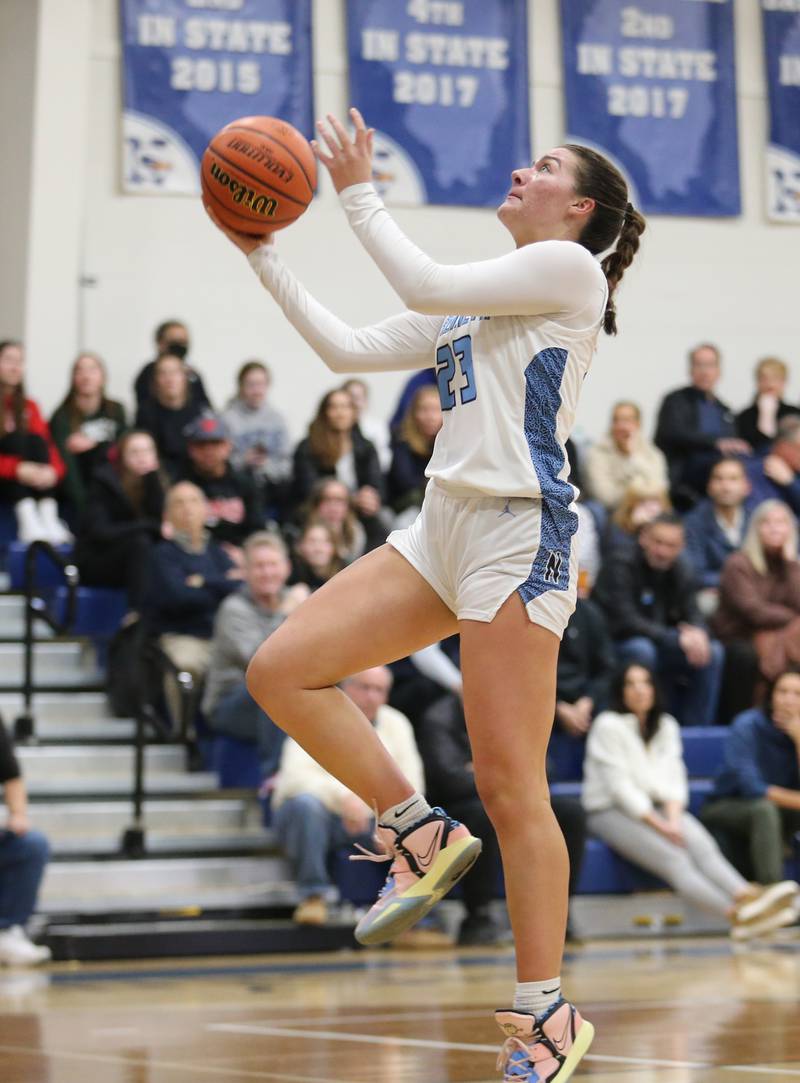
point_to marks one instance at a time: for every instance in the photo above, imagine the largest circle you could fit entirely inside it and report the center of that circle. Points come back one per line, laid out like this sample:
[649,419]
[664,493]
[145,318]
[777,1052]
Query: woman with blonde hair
[412,451]
[758,424]
[641,503]
[759,591]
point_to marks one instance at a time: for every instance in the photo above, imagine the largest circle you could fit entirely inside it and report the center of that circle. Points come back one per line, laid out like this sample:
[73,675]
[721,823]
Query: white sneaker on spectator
[56,530]
[774,897]
[30,527]
[17,950]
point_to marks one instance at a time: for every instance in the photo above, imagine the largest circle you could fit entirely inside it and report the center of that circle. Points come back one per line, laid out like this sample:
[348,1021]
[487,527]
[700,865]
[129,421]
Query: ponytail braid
[615,264]
[613,219]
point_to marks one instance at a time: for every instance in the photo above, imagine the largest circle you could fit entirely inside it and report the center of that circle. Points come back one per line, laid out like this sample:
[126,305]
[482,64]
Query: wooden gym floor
[671,1011]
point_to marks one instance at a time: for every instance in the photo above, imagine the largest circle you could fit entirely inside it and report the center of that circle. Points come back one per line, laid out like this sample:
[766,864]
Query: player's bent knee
[268,676]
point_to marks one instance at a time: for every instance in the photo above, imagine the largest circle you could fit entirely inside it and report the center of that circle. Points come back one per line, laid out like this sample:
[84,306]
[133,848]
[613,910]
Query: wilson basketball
[258,174]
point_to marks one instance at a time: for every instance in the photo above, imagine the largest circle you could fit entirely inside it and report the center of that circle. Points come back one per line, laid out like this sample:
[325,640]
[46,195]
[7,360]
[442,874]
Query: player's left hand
[350,160]
[246,242]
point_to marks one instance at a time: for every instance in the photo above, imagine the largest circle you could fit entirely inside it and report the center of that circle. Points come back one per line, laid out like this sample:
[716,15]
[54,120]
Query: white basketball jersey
[509,388]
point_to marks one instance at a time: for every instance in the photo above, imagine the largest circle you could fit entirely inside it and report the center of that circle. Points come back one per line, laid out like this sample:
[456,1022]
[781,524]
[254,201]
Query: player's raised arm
[404,341]
[553,277]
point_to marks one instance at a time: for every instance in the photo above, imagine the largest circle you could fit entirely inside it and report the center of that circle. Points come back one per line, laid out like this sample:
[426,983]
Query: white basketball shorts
[475,551]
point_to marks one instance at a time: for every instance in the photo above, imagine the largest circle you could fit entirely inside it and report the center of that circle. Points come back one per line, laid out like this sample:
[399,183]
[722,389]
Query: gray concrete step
[89,822]
[93,887]
[43,763]
[67,663]
[162,783]
[76,707]
[12,619]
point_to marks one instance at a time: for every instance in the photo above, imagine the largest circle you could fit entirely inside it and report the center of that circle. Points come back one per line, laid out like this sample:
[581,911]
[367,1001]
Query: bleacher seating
[48,574]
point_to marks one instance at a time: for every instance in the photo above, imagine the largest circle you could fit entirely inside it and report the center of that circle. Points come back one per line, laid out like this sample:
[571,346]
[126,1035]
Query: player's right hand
[245,242]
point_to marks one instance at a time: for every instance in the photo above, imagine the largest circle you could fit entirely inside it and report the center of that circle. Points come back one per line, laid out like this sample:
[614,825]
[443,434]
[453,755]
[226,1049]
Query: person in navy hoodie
[715,527]
[755,803]
[189,575]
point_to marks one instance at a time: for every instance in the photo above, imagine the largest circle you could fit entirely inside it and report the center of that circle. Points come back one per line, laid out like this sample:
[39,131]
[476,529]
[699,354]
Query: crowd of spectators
[216,526]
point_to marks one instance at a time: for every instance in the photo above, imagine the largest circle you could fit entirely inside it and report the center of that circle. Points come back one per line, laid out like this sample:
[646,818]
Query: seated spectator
[623,458]
[166,413]
[585,663]
[776,475]
[85,427]
[640,504]
[30,465]
[121,520]
[635,792]
[447,759]
[759,591]
[315,560]
[234,501]
[243,622]
[715,527]
[695,427]
[758,424]
[332,503]
[314,814]
[650,599]
[375,429]
[412,452]
[424,378]
[258,431]
[171,337]
[23,857]
[189,576]
[335,447]
[755,805]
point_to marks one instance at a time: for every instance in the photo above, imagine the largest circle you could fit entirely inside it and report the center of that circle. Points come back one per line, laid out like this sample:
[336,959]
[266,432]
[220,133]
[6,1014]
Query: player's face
[542,202]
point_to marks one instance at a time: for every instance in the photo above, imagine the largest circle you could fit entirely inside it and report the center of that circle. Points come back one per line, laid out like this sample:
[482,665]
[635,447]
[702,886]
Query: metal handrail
[36,609]
[133,843]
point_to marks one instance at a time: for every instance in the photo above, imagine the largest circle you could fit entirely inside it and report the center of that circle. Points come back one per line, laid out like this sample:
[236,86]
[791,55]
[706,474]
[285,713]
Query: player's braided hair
[614,218]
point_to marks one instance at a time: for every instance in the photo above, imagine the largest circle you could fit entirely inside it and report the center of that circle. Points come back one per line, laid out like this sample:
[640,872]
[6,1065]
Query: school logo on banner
[445,85]
[191,66]
[781,21]
[652,84]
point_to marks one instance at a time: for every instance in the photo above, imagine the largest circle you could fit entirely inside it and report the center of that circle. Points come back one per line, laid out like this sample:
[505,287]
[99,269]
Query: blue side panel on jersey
[550,569]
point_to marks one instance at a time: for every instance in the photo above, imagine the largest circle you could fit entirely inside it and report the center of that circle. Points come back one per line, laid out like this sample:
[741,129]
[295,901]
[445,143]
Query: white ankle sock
[536,996]
[405,814]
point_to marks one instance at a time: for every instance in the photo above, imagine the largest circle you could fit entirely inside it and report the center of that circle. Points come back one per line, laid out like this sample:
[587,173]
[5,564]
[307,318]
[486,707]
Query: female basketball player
[491,554]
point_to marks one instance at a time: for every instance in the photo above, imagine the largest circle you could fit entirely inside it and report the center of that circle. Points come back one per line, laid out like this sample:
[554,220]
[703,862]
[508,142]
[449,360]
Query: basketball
[258,174]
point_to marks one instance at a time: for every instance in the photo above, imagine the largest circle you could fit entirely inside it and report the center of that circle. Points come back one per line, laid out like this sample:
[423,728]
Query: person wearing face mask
[623,458]
[258,432]
[171,337]
[758,424]
[755,804]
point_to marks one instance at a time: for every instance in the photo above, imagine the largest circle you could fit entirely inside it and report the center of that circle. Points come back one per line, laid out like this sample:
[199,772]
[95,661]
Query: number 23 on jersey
[454,373]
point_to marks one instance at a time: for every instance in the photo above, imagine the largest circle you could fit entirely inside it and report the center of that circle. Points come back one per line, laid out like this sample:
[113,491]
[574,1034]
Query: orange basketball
[258,174]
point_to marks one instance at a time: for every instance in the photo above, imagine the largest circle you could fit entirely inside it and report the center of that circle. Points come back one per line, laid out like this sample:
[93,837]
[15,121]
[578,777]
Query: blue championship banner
[191,66]
[782,45]
[445,85]
[652,84]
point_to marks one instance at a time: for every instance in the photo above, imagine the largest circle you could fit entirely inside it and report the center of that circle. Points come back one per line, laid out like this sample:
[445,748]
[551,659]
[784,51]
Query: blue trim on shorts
[550,568]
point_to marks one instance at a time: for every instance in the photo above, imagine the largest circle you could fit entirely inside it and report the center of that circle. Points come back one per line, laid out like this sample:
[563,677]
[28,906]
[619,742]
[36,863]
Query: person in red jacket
[30,465]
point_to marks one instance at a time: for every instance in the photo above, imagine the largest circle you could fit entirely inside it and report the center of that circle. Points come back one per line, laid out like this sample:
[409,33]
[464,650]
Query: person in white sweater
[635,792]
[623,458]
[315,814]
